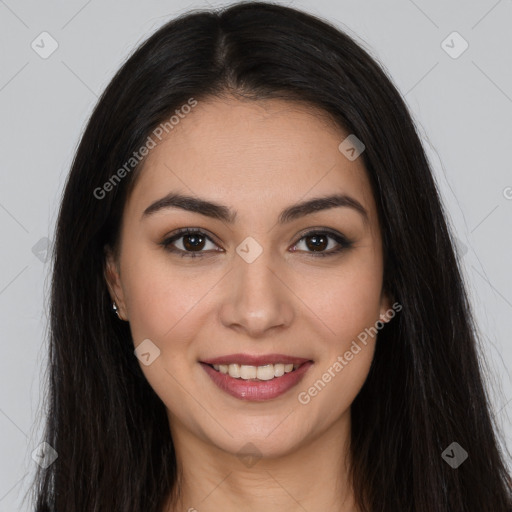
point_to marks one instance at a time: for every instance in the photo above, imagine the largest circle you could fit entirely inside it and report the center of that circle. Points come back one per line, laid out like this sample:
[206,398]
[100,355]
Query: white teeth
[246,372]
[265,372]
[234,371]
[278,370]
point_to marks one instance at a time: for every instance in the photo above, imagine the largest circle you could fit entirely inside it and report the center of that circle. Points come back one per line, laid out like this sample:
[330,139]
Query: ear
[112,277]
[385,307]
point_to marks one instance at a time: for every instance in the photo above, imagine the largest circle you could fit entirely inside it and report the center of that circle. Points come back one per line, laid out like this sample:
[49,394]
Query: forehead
[251,155]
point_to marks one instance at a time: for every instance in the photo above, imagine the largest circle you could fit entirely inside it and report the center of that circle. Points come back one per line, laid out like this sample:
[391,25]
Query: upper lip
[256,360]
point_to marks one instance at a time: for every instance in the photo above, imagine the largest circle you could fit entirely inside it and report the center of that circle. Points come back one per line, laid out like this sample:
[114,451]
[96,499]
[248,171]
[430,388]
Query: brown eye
[316,243]
[192,243]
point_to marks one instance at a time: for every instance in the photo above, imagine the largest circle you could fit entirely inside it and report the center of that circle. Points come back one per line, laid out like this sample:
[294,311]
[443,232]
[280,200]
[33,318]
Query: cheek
[331,390]
[161,299]
[163,307]
[346,307]
[345,301]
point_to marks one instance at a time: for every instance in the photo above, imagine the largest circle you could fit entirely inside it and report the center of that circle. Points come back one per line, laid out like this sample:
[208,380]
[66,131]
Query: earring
[115,309]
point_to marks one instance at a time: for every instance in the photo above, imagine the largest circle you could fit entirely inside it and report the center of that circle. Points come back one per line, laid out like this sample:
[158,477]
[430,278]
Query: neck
[312,477]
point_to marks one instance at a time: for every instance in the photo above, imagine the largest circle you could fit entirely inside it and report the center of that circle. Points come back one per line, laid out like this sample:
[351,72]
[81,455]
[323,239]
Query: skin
[257,158]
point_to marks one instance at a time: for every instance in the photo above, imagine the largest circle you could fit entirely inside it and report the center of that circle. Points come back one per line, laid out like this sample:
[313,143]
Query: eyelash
[343,242]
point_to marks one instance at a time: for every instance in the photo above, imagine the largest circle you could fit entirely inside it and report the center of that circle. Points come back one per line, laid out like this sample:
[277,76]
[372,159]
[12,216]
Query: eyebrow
[224,213]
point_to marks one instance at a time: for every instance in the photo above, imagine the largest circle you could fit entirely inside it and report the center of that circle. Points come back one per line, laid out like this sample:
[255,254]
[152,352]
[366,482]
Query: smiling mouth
[256,382]
[255,373]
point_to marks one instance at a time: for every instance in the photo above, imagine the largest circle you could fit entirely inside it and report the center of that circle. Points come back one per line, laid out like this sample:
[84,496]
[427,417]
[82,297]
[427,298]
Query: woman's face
[253,283]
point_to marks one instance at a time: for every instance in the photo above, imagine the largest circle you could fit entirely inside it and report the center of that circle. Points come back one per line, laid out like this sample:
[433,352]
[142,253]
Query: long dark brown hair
[425,388]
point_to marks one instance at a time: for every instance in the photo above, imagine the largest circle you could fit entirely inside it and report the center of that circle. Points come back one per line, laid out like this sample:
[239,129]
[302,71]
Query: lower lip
[254,390]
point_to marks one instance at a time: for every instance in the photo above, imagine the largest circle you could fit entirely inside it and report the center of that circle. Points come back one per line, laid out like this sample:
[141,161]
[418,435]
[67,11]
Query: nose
[258,299]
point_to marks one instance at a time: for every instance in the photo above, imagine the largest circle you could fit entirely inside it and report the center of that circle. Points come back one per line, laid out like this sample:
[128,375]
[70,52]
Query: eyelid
[182,232]
[342,241]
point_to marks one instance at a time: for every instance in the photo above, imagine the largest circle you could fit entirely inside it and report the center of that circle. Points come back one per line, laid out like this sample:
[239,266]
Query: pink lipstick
[256,377]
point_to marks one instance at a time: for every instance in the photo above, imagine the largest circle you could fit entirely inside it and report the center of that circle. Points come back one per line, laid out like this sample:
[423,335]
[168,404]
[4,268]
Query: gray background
[462,107]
